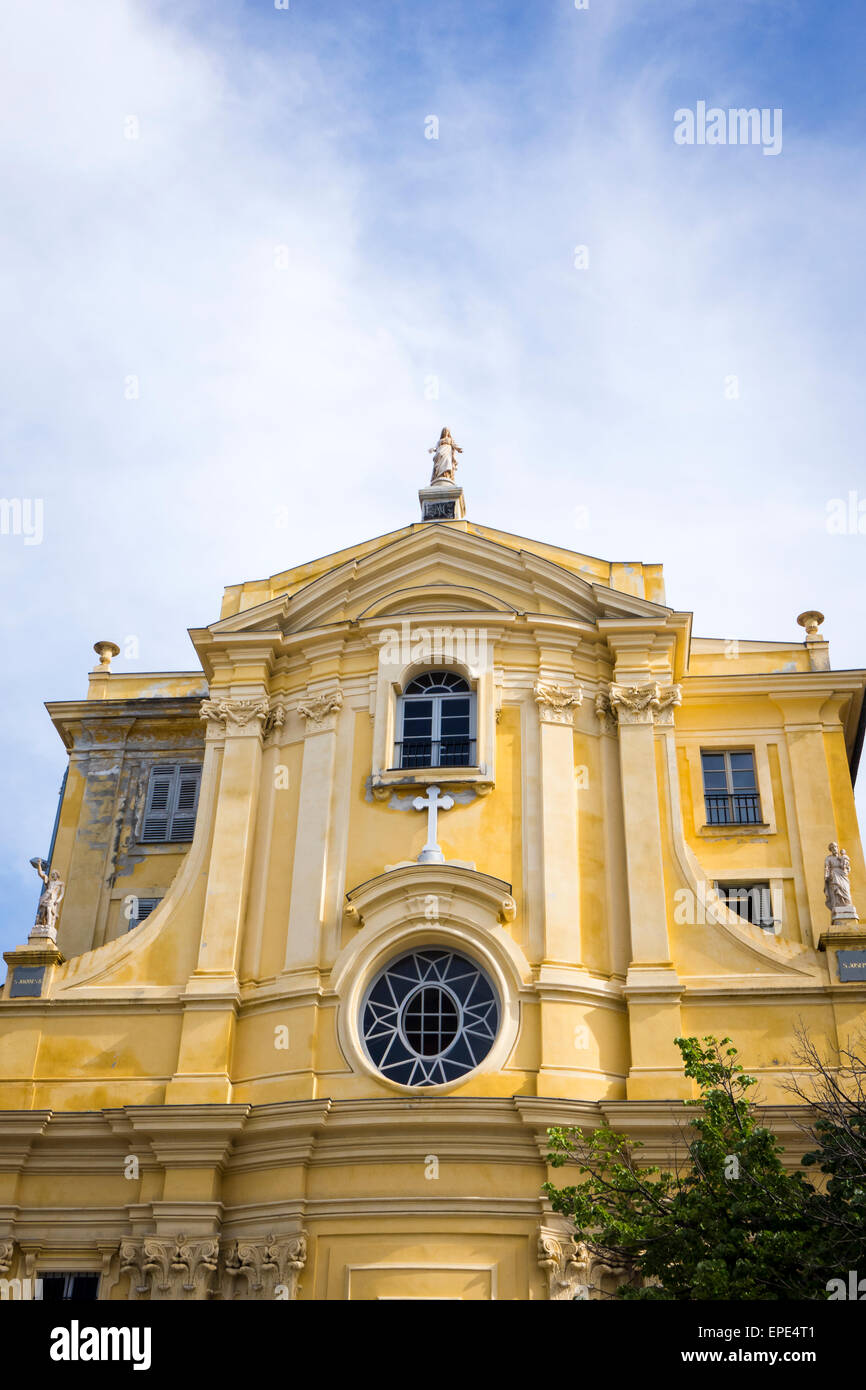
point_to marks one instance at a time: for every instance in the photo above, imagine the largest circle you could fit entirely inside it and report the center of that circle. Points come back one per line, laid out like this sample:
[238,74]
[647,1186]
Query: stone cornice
[787,683]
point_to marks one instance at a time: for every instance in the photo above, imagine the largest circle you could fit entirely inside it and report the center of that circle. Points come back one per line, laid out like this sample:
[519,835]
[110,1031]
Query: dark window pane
[715,781]
[740,760]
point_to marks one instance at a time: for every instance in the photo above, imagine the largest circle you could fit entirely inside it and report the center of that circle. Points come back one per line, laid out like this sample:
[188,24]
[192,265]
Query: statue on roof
[444,458]
[49,902]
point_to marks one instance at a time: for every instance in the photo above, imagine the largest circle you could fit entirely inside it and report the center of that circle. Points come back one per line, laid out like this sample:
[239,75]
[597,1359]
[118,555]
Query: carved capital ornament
[320,710]
[638,704]
[242,716]
[557,703]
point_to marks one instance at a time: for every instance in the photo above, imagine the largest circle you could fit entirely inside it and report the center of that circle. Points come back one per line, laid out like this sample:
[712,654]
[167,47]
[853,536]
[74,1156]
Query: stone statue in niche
[444,458]
[837,885]
[49,903]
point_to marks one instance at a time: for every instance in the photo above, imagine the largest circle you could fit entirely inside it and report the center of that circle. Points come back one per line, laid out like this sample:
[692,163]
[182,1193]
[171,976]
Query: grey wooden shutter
[186,801]
[160,799]
[145,908]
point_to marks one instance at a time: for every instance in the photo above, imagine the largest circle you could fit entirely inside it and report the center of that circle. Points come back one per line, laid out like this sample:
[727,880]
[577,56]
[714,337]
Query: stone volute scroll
[837,886]
[557,703]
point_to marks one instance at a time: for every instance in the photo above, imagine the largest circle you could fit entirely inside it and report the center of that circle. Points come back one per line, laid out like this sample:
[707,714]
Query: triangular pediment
[438,568]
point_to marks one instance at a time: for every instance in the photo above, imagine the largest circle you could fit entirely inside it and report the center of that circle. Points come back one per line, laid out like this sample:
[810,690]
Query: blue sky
[283,262]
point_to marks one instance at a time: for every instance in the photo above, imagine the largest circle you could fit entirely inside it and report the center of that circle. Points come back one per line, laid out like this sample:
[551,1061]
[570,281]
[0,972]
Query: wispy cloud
[232,262]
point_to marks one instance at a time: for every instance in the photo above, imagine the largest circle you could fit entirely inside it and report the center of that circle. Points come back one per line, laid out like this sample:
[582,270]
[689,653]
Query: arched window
[436,722]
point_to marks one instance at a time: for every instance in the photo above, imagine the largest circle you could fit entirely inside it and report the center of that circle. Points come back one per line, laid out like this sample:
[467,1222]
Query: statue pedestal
[442,502]
[846,948]
[31,969]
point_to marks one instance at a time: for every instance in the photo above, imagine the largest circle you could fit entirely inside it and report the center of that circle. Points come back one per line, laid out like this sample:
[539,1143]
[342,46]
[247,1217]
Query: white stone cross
[432,803]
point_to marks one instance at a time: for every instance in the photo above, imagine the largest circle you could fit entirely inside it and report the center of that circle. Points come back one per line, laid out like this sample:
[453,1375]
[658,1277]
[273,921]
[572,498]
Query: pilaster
[212,992]
[556,702]
[639,704]
[320,708]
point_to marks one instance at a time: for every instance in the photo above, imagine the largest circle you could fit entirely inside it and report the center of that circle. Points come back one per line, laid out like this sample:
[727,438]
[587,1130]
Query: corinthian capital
[642,704]
[320,709]
[174,1269]
[267,1269]
[235,716]
[557,703]
[564,1263]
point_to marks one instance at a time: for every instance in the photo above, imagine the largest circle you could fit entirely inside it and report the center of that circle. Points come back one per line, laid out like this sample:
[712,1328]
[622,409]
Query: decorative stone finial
[105,651]
[811,620]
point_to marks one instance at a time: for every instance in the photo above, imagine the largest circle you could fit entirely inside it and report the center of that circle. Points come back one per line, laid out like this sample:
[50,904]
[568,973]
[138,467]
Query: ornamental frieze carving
[236,716]
[638,704]
[321,709]
[7,1253]
[262,1270]
[176,1269]
[557,703]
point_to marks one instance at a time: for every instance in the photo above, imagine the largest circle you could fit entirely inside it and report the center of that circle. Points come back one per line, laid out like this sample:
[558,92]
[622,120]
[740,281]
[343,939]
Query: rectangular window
[143,908]
[436,722]
[68,1287]
[172,801]
[749,900]
[730,788]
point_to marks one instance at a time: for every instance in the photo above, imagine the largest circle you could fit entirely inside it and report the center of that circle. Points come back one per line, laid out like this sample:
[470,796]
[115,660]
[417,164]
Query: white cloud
[262,387]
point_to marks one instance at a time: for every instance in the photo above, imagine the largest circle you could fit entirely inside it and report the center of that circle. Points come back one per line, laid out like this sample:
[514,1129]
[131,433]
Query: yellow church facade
[445,840]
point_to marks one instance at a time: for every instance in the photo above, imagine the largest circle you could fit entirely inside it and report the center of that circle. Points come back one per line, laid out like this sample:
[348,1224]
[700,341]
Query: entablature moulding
[89,726]
[255,1138]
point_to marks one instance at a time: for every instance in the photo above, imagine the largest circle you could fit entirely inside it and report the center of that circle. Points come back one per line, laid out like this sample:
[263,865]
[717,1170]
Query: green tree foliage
[730,1223]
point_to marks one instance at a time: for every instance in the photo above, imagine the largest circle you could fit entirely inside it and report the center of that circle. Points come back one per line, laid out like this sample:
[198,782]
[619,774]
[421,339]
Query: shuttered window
[139,909]
[172,799]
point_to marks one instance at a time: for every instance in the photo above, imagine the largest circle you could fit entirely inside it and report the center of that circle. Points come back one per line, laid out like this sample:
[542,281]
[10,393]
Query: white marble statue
[837,886]
[49,903]
[444,459]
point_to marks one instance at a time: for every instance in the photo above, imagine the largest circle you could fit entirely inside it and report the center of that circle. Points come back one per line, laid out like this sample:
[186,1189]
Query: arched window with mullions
[436,722]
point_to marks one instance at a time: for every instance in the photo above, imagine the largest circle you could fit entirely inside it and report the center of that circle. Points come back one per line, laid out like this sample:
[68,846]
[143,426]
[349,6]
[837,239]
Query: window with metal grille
[749,900]
[436,722]
[140,908]
[731,788]
[172,801]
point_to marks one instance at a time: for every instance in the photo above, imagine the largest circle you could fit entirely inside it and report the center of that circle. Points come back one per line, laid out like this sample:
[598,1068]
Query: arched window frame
[424,745]
[393,675]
